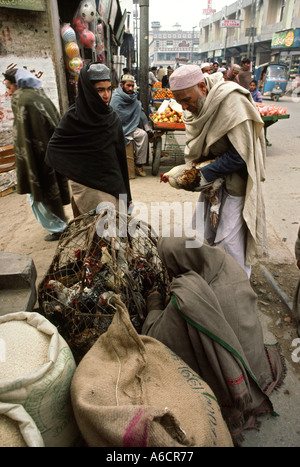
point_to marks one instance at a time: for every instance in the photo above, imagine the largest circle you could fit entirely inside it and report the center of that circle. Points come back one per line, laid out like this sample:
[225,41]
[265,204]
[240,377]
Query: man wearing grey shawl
[222,123]
[211,322]
[135,124]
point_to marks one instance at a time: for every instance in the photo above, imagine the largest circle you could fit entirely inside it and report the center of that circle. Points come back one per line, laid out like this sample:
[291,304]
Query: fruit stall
[270,115]
[160,94]
[166,121]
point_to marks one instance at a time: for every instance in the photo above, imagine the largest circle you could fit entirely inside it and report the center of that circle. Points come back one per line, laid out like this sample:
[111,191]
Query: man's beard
[200,103]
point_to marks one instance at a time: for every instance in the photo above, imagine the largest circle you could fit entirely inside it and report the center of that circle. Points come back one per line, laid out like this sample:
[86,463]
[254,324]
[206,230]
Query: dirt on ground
[272,304]
[21,233]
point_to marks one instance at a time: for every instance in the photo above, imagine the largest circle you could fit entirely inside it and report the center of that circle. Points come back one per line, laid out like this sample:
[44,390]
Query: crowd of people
[211,320]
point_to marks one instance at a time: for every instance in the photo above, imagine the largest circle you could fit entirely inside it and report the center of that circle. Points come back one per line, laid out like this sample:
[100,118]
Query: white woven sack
[44,389]
[17,429]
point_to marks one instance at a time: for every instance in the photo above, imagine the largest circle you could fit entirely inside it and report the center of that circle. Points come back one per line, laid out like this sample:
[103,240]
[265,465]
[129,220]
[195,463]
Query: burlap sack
[45,391]
[132,391]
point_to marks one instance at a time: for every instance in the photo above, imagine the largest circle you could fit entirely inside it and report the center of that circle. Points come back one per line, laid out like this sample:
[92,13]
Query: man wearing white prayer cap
[222,125]
[206,67]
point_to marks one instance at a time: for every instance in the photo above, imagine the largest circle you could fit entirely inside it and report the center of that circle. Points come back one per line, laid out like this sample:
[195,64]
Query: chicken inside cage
[88,270]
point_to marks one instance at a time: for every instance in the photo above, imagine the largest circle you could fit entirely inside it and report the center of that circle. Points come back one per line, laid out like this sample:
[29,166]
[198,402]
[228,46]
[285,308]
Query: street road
[282,187]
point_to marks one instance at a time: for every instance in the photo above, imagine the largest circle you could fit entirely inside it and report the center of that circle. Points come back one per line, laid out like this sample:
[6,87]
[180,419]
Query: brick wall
[25,40]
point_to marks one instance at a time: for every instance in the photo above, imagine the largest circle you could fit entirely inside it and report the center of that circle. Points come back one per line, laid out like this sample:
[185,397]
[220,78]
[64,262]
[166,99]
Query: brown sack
[132,391]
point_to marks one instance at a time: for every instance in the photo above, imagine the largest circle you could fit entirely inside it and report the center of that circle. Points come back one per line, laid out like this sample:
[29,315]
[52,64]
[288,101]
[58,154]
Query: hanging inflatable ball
[75,64]
[72,49]
[87,38]
[79,24]
[68,34]
[87,11]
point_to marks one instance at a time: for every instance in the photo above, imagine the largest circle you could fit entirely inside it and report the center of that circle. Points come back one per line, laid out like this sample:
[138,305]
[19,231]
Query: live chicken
[188,177]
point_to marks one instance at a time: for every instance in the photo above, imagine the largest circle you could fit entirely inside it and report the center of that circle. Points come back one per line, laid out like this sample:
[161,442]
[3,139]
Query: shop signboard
[230,23]
[286,39]
[250,32]
[104,9]
[34,5]
[208,11]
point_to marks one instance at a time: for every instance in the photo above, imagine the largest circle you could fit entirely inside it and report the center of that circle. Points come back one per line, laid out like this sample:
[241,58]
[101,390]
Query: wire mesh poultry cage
[100,256]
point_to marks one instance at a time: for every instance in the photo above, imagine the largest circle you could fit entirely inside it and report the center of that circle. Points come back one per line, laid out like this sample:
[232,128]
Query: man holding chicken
[223,124]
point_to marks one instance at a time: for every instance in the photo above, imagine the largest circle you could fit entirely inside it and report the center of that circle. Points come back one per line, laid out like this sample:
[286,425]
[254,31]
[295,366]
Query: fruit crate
[167,125]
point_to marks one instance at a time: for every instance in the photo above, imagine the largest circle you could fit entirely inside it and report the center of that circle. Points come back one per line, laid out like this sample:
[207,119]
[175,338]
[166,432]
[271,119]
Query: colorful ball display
[87,11]
[72,49]
[87,38]
[75,64]
[79,24]
[68,35]
[64,28]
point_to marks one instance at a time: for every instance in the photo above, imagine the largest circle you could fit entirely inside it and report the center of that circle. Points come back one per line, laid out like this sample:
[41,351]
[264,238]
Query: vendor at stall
[136,126]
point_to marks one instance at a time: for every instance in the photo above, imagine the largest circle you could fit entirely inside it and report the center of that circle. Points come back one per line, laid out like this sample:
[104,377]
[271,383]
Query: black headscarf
[88,145]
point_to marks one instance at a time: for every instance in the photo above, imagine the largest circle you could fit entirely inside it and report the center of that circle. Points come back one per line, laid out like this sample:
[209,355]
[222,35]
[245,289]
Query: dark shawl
[35,120]
[88,146]
[212,324]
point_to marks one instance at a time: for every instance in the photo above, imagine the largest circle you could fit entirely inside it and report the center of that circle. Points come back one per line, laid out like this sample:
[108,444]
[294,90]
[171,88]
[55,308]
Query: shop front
[90,31]
[285,47]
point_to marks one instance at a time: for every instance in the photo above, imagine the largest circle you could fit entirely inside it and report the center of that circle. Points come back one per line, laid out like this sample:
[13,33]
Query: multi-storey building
[255,28]
[171,47]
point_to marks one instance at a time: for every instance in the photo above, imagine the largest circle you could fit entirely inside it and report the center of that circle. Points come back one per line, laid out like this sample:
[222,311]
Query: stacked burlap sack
[130,390]
[36,369]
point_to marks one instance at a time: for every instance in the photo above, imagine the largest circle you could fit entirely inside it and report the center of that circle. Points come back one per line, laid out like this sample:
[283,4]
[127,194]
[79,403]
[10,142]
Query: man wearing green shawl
[35,118]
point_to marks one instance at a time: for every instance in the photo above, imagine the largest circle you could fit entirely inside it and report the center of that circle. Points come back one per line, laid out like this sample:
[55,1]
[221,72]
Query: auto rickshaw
[271,80]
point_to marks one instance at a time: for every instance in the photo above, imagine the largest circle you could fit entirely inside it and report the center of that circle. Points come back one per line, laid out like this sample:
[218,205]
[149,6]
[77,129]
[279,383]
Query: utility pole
[224,11]
[136,38]
[144,54]
[252,31]
[194,27]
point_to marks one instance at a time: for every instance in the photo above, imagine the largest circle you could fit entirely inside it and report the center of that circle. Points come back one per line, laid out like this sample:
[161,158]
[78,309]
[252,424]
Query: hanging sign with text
[230,23]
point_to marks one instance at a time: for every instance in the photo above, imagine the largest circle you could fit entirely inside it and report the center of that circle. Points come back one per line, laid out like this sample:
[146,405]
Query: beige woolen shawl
[229,110]
[214,327]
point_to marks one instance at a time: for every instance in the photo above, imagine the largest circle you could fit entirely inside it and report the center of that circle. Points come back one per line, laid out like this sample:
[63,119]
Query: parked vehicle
[271,80]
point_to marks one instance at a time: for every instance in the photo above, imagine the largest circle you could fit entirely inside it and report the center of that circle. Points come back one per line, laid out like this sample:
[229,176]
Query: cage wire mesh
[98,257]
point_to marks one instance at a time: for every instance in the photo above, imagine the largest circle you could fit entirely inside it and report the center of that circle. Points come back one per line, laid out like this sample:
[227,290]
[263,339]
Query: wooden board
[7,158]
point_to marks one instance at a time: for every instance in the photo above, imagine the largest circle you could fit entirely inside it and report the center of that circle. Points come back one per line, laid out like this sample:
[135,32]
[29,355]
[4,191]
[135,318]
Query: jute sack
[130,390]
[17,429]
[36,369]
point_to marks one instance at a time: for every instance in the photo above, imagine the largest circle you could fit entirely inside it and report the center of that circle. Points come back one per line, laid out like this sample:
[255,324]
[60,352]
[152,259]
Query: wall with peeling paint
[25,41]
